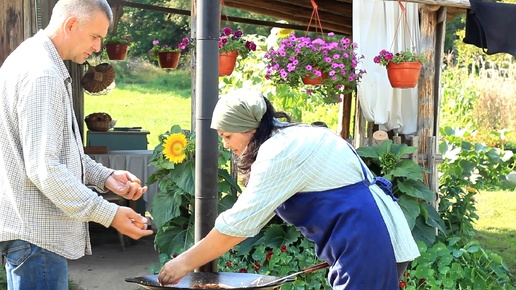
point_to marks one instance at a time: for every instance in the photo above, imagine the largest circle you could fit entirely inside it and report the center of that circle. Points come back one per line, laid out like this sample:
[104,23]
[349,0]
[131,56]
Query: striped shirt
[307,159]
[43,168]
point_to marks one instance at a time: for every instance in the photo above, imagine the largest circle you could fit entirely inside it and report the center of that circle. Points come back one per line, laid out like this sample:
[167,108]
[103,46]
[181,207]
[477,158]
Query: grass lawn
[496,225]
[155,105]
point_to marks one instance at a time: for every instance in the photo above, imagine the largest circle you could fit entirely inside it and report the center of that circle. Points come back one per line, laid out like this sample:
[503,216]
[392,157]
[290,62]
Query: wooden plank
[415,155]
[11,27]
[426,81]
[341,30]
[444,3]
[345,116]
[330,21]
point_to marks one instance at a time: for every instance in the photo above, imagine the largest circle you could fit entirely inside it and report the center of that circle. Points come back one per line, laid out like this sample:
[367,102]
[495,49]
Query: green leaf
[185,178]
[434,220]
[410,208]
[402,149]
[175,239]
[408,169]
[422,232]
[227,178]
[165,206]
[276,235]
[416,189]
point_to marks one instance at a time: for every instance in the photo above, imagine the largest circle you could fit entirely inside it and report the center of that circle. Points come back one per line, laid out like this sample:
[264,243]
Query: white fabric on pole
[374,29]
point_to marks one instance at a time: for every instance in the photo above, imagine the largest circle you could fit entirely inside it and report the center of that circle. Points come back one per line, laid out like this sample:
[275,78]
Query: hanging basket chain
[403,16]
[223,7]
[315,14]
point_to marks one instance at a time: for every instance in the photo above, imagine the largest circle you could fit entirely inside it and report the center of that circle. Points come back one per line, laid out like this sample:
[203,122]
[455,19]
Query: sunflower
[174,147]
[285,32]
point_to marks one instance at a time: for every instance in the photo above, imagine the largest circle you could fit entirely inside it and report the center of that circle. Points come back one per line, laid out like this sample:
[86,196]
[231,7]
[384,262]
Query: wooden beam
[223,17]
[445,3]
[295,13]
[426,107]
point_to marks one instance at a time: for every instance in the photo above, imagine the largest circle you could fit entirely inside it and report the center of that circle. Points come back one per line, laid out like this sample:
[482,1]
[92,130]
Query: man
[44,201]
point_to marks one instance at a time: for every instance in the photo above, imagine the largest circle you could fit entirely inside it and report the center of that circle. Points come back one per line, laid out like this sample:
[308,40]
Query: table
[118,140]
[136,162]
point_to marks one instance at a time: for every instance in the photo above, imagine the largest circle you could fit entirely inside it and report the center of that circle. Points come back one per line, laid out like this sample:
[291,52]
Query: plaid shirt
[43,168]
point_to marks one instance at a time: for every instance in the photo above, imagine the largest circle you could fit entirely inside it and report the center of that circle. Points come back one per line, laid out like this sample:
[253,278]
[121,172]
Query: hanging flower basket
[404,75]
[168,59]
[116,51]
[314,80]
[227,62]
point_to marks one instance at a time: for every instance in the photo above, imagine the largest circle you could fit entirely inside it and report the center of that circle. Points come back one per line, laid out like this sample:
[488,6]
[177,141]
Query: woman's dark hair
[262,134]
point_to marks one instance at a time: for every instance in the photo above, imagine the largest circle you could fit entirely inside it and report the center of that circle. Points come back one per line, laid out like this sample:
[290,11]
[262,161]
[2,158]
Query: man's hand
[130,223]
[125,184]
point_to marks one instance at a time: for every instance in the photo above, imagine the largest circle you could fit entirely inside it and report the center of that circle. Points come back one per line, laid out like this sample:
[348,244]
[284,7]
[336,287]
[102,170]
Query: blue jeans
[31,267]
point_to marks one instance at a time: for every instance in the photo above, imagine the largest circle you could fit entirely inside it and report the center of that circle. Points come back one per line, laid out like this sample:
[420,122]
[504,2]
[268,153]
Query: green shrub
[3,279]
[456,264]
[406,176]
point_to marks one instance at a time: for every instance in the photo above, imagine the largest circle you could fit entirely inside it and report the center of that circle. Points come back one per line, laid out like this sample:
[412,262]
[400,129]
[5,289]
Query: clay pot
[314,80]
[404,75]
[116,51]
[227,62]
[168,59]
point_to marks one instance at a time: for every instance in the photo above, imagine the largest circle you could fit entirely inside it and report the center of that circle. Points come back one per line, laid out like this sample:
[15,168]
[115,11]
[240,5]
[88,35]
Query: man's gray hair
[83,10]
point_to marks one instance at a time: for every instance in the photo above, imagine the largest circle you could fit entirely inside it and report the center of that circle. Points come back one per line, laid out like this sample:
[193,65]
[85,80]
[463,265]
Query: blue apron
[349,233]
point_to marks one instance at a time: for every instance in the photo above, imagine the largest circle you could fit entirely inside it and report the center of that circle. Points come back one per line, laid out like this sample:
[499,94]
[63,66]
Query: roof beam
[124,3]
[445,3]
[339,23]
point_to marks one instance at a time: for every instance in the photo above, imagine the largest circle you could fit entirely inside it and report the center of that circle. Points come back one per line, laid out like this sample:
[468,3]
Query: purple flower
[227,31]
[237,34]
[155,42]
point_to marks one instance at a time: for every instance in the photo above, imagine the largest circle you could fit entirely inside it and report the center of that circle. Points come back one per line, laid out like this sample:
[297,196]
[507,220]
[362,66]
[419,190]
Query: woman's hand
[125,184]
[208,249]
[173,271]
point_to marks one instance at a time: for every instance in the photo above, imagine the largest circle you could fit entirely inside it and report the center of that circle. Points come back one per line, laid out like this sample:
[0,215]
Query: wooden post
[193,62]
[345,117]
[16,22]
[434,172]
[415,156]
[426,81]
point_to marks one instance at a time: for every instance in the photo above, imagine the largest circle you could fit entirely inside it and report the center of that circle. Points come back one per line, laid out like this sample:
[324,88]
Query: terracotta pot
[404,75]
[116,51]
[227,62]
[313,80]
[168,59]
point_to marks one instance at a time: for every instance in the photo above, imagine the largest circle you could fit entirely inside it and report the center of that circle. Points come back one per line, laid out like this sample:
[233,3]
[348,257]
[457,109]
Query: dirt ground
[108,267]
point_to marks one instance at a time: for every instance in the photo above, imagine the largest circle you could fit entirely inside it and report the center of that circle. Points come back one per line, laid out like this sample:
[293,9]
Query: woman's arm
[208,249]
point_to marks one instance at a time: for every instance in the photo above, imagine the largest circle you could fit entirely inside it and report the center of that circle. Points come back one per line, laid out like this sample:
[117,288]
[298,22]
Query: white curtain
[375,23]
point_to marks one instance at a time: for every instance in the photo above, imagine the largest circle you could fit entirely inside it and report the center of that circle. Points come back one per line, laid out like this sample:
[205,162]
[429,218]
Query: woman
[313,179]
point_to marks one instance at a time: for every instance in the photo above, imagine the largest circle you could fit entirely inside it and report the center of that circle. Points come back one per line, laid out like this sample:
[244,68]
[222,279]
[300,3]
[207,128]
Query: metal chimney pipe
[206,151]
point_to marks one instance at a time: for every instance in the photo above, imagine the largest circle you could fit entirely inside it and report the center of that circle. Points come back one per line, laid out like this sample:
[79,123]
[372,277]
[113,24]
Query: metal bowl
[227,280]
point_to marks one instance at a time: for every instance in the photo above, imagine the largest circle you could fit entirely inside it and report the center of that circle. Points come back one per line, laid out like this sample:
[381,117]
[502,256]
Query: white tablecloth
[134,161]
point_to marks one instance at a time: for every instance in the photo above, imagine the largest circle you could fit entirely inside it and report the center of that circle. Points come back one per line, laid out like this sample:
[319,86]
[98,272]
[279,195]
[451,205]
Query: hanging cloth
[391,109]
[490,26]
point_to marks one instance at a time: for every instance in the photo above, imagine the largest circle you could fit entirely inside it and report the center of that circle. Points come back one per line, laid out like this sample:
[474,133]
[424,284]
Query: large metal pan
[227,280]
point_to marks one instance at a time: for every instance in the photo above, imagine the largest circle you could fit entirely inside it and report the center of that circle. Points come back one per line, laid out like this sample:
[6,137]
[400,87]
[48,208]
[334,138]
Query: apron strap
[383,183]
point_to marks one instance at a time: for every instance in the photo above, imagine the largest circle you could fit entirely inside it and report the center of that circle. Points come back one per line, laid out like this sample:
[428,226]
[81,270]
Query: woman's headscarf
[239,111]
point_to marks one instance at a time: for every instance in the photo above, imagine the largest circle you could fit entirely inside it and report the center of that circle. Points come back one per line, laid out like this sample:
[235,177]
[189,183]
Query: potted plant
[116,46]
[330,61]
[403,68]
[231,45]
[166,55]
